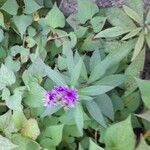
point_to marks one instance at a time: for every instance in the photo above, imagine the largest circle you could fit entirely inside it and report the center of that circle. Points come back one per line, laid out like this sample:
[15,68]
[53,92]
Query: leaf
[1,35]
[78,114]
[30,129]
[14,102]
[95,90]
[7,77]
[98,23]
[94,146]
[113,58]
[76,73]
[132,14]
[54,133]
[86,10]
[122,20]
[35,95]
[106,106]
[6,144]
[55,18]
[132,33]
[143,145]
[112,32]
[144,86]
[96,113]
[2,20]
[11,10]
[138,46]
[120,136]
[31,6]
[22,22]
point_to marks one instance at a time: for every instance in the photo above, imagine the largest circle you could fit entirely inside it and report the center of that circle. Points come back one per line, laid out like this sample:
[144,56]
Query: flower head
[63,95]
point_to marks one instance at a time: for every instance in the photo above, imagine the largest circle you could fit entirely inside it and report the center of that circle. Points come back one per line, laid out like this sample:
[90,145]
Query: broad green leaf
[96,113]
[94,146]
[138,46]
[98,23]
[54,133]
[143,145]
[31,6]
[30,129]
[2,20]
[75,74]
[6,144]
[132,33]
[86,10]
[94,58]
[106,106]
[120,136]
[95,90]
[11,7]
[144,86]
[35,95]
[55,18]
[7,77]
[114,58]
[137,6]
[112,32]
[78,114]
[132,14]
[22,22]
[14,101]
[122,20]
[24,143]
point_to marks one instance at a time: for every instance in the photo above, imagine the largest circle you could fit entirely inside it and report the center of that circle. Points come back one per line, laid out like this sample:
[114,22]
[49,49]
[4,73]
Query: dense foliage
[74,80]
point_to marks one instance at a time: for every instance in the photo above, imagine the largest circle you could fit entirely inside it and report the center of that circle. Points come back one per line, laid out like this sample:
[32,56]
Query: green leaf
[22,22]
[98,23]
[132,33]
[86,10]
[138,46]
[55,18]
[95,90]
[11,7]
[76,73]
[112,59]
[2,20]
[96,113]
[30,129]
[112,32]
[78,114]
[94,146]
[6,144]
[122,20]
[31,6]
[132,14]
[35,95]
[144,86]
[14,102]
[54,133]
[106,106]
[143,145]
[120,136]
[7,77]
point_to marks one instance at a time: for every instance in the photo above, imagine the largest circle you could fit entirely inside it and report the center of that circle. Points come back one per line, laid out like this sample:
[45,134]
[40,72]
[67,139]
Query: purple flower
[63,95]
[50,98]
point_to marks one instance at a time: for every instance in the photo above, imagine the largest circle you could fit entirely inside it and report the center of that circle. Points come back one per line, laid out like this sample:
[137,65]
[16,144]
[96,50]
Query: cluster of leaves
[100,52]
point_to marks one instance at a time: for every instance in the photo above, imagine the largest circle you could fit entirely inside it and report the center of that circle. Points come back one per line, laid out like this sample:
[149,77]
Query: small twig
[61,3]
[2,104]
[50,38]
